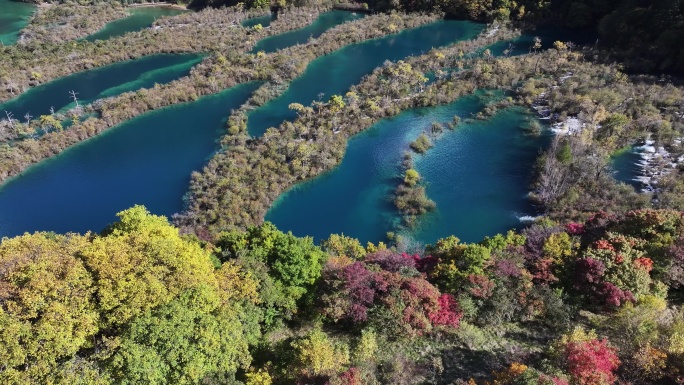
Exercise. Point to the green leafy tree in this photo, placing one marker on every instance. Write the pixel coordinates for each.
(287, 266)
(189, 340)
(411, 177)
(456, 261)
(341, 245)
(48, 122)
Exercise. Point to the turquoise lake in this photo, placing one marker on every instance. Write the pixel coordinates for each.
(14, 16)
(323, 23)
(147, 160)
(337, 72)
(102, 82)
(106, 174)
(478, 175)
(139, 19)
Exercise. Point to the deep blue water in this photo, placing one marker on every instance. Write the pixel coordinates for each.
(479, 177)
(147, 160)
(323, 23)
(337, 72)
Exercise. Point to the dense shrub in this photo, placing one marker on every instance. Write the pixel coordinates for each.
(591, 362)
(385, 290)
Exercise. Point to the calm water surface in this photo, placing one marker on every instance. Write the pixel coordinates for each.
(478, 175)
(337, 72)
(147, 160)
(139, 19)
(323, 23)
(14, 16)
(101, 82)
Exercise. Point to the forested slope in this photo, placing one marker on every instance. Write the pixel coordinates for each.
(589, 294)
(577, 303)
(644, 34)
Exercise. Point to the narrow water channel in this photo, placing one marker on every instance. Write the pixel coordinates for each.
(14, 16)
(147, 160)
(107, 81)
(337, 72)
(478, 175)
(139, 19)
(323, 23)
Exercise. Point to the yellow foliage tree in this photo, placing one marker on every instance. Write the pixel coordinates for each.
(317, 355)
(558, 247)
(259, 377)
(508, 375)
(47, 311)
(236, 284)
(341, 245)
(141, 263)
(367, 347)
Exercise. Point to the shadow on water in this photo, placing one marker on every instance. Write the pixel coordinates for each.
(335, 73)
(548, 35)
(323, 23)
(265, 21)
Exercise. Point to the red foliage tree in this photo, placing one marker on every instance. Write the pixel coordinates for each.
(449, 312)
(644, 263)
(542, 271)
(588, 271)
(390, 284)
(591, 362)
(612, 296)
(361, 286)
(575, 228)
(480, 286)
(351, 376)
